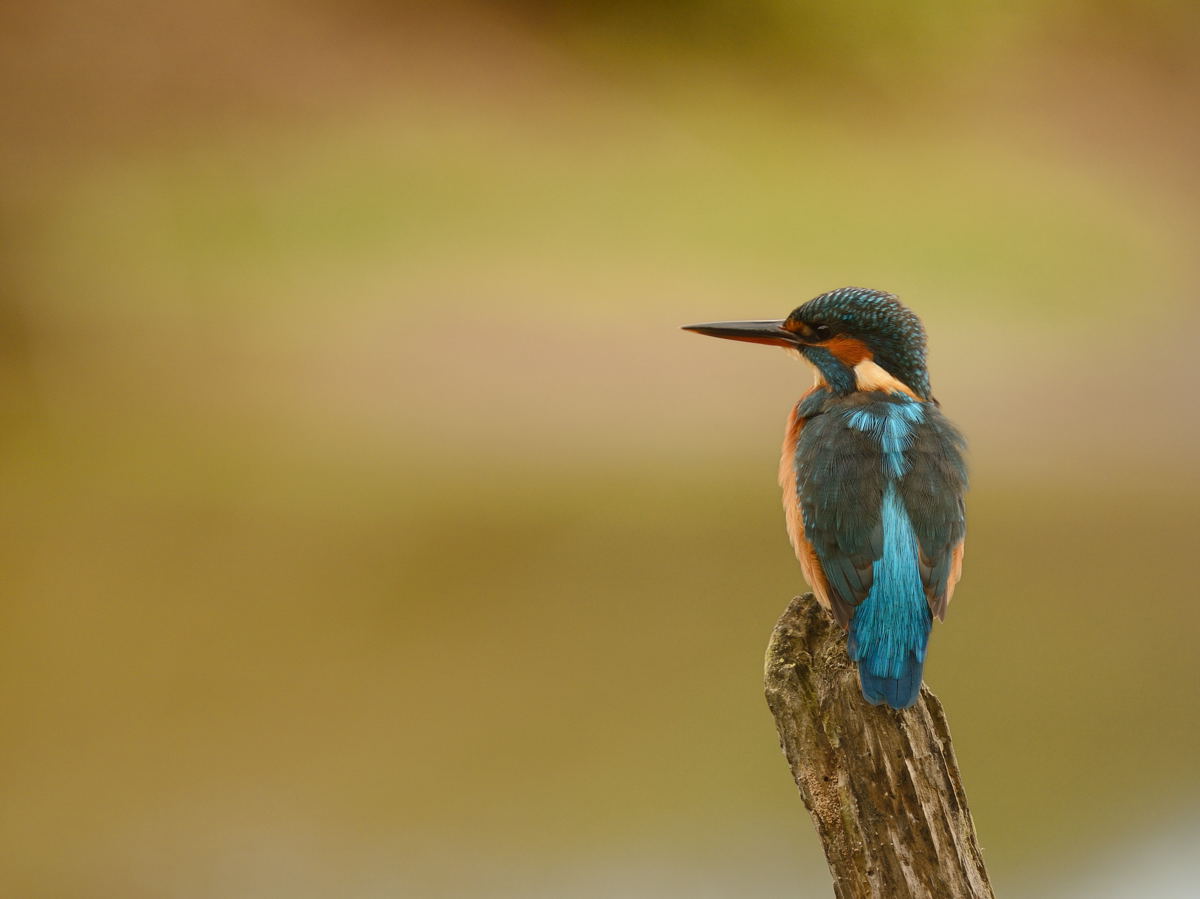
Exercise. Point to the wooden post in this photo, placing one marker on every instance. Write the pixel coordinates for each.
(882, 786)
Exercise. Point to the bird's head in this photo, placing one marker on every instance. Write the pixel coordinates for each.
(858, 339)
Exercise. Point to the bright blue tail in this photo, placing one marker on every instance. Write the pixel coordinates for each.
(890, 628)
(898, 692)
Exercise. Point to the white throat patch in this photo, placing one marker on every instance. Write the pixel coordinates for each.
(869, 376)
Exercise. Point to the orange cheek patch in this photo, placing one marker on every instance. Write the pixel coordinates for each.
(848, 350)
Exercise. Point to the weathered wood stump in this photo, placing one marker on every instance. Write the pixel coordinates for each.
(882, 786)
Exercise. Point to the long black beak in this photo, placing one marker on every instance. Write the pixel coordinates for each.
(771, 333)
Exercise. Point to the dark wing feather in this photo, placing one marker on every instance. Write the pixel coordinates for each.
(840, 484)
(932, 491)
(840, 489)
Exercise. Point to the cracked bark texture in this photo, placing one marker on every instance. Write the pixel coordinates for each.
(882, 786)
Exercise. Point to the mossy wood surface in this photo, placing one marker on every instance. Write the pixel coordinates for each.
(882, 786)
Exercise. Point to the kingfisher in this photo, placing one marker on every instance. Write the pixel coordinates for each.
(873, 479)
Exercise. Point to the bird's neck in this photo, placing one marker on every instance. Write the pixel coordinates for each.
(848, 375)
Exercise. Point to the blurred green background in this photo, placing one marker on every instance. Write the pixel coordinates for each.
(371, 530)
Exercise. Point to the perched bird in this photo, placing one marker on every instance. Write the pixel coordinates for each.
(873, 479)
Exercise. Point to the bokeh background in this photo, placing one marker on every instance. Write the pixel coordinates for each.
(371, 530)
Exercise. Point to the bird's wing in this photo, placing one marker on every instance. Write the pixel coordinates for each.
(840, 478)
(809, 406)
(839, 483)
(932, 491)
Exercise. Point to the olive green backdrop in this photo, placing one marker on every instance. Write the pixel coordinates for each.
(370, 528)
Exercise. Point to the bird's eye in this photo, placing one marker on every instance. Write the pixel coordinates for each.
(822, 332)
